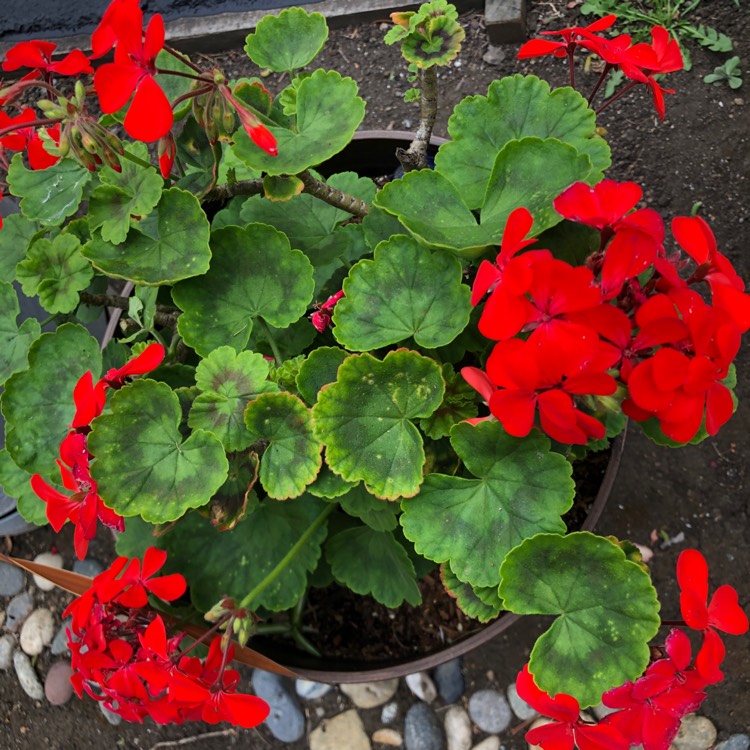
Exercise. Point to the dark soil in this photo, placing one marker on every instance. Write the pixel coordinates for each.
(700, 152)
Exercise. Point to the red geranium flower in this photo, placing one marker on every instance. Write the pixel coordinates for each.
(570, 37)
(140, 580)
(38, 56)
(28, 138)
(149, 359)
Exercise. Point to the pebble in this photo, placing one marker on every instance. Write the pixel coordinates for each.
(457, 729)
(27, 676)
(735, 742)
(696, 733)
(422, 730)
(449, 678)
(2, 617)
(342, 731)
(422, 686)
(54, 561)
(388, 737)
(18, 609)
(37, 632)
(494, 55)
(520, 708)
(7, 644)
(286, 722)
(57, 685)
(11, 579)
(60, 641)
(370, 694)
(389, 713)
(490, 711)
(489, 743)
(88, 567)
(113, 718)
(310, 690)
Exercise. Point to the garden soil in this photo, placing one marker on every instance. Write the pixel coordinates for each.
(664, 499)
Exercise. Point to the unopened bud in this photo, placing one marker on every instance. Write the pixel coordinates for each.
(109, 139)
(80, 91)
(63, 148)
(111, 159)
(89, 142)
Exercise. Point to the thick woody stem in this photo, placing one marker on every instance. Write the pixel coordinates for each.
(332, 196)
(222, 193)
(164, 316)
(415, 157)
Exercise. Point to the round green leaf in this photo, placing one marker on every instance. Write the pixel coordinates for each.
(288, 41)
(143, 466)
(232, 563)
(15, 482)
(38, 402)
(376, 513)
(328, 113)
(293, 457)
(15, 238)
(319, 369)
(406, 290)
(329, 485)
(254, 273)
(373, 562)
(482, 604)
(515, 107)
(168, 245)
(521, 489)
(56, 271)
(14, 340)
(48, 195)
(459, 403)
(228, 383)
(364, 420)
(607, 607)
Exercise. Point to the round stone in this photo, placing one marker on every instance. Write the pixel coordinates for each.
(342, 731)
(449, 678)
(309, 690)
(59, 644)
(286, 722)
(18, 609)
(457, 729)
(57, 685)
(388, 737)
(88, 567)
(488, 743)
(54, 561)
(389, 713)
(37, 631)
(27, 676)
(735, 742)
(422, 730)
(696, 733)
(7, 645)
(422, 686)
(520, 708)
(11, 579)
(370, 694)
(490, 711)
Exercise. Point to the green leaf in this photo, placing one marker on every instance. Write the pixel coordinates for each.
(328, 113)
(15, 482)
(515, 107)
(174, 86)
(228, 383)
(169, 245)
(38, 402)
(607, 607)
(569, 241)
(143, 466)
(200, 157)
(482, 604)
(283, 188)
(235, 497)
(364, 420)
(379, 225)
(292, 459)
(15, 340)
(373, 562)
(405, 291)
(232, 563)
(15, 238)
(379, 515)
(288, 41)
(254, 273)
(521, 489)
(317, 370)
(56, 271)
(459, 403)
(329, 485)
(48, 195)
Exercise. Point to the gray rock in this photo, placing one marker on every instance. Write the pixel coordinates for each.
(37, 631)
(422, 730)
(11, 579)
(113, 718)
(7, 644)
(422, 686)
(18, 609)
(494, 55)
(88, 567)
(27, 676)
(309, 690)
(342, 731)
(488, 743)
(389, 713)
(60, 641)
(520, 708)
(696, 733)
(490, 711)
(54, 561)
(57, 685)
(370, 694)
(449, 678)
(286, 722)
(735, 742)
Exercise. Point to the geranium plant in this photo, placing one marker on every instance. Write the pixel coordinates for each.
(322, 378)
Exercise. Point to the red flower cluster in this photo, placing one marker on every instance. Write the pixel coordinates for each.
(84, 507)
(565, 332)
(22, 135)
(37, 55)
(321, 318)
(123, 657)
(639, 62)
(649, 710)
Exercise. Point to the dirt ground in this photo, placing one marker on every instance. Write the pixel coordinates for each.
(700, 152)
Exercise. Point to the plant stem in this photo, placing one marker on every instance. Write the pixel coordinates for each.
(223, 193)
(332, 196)
(271, 342)
(182, 74)
(182, 58)
(415, 157)
(191, 94)
(288, 557)
(616, 96)
(24, 125)
(135, 159)
(164, 316)
(601, 80)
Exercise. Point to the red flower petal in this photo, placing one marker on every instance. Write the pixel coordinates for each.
(725, 613)
(150, 114)
(562, 707)
(115, 83)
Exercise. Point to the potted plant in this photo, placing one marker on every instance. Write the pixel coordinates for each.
(323, 377)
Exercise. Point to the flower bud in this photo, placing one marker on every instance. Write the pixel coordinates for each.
(111, 159)
(166, 150)
(80, 91)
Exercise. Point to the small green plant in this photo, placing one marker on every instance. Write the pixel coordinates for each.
(729, 72)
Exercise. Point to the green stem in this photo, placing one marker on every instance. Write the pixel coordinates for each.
(271, 341)
(135, 159)
(288, 557)
(332, 196)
